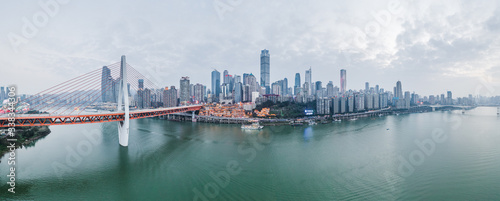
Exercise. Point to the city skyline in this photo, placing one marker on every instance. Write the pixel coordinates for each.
(230, 80)
(420, 46)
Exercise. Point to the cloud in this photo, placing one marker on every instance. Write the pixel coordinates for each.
(426, 45)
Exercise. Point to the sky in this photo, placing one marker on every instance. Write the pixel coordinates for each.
(430, 46)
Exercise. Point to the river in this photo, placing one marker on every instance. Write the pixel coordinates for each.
(443, 155)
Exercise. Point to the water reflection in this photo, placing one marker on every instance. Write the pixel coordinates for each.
(123, 169)
(308, 134)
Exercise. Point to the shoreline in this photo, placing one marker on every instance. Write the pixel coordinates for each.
(324, 119)
(41, 132)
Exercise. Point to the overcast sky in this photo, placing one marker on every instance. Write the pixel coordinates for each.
(430, 46)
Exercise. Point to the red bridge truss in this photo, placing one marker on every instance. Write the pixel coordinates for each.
(92, 118)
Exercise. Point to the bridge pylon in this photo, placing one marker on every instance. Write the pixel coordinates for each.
(123, 126)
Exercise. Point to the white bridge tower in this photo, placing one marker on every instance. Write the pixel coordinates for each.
(123, 126)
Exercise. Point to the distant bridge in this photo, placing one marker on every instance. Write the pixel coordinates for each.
(464, 107)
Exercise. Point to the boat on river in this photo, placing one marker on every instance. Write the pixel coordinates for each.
(253, 126)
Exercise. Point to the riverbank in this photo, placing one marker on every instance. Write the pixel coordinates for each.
(26, 137)
(305, 119)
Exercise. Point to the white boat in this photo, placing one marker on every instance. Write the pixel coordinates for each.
(253, 126)
(353, 119)
(337, 120)
(312, 123)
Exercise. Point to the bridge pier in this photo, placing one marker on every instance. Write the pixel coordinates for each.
(123, 126)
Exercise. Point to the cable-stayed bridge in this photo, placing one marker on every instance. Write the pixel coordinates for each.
(102, 95)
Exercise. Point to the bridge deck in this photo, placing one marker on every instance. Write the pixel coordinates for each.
(48, 120)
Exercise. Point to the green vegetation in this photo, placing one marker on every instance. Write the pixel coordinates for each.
(26, 136)
(35, 112)
(287, 109)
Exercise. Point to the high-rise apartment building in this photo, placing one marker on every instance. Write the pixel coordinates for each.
(184, 90)
(170, 97)
(199, 94)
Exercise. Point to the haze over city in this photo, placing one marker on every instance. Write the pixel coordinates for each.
(432, 47)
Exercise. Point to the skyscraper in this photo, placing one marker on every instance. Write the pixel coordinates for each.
(318, 87)
(276, 87)
(237, 79)
(399, 90)
(143, 98)
(184, 83)
(238, 92)
(115, 90)
(128, 89)
(343, 81)
(191, 91)
(225, 77)
(252, 81)
(329, 89)
(407, 99)
(173, 96)
(231, 83)
(105, 83)
(141, 94)
(367, 87)
(2, 94)
(306, 88)
(449, 98)
(285, 87)
(215, 83)
(141, 83)
(146, 98)
(265, 59)
(225, 91)
(247, 94)
(245, 79)
(309, 81)
(170, 97)
(297, 83)
(199, 94)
